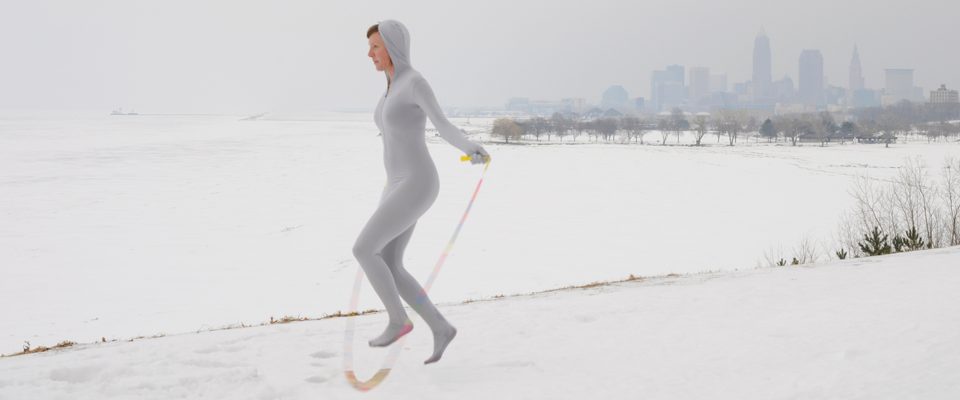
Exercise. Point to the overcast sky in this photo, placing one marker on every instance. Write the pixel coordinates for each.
(241, 56)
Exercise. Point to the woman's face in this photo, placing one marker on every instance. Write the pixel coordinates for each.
(378, 52)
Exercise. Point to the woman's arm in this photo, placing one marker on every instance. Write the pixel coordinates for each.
(424, 97)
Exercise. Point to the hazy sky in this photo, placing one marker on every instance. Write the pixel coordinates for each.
(291, 55)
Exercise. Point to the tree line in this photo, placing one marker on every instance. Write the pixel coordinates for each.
(873, 125)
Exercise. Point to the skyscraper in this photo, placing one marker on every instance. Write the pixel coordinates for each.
(676, 73)
(667, 88)
(856, 72)
(762, 74)
(811, 77)
(899, 86)
(699, 83)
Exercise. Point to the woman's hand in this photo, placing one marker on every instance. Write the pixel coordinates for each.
(478, 155)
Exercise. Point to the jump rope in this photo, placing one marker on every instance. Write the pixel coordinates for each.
(394, 354)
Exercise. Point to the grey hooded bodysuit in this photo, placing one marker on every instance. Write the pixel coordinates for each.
(411, 188)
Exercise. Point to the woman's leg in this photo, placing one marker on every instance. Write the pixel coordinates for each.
(410, 290)
(397, 211)
(414, 295)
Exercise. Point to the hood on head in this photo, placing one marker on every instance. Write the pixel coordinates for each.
(397, 39)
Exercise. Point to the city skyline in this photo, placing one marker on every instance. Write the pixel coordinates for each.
(255, 56)
(812, 83)
(669, 88)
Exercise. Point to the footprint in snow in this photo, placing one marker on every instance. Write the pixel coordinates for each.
(342, 264)
(585, 318)
(317, 379)
(74, 374)
(322, 354)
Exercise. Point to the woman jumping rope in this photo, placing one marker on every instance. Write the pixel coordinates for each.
(412, 185)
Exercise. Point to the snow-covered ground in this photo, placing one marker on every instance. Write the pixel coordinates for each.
(870, 328)
(117, 227)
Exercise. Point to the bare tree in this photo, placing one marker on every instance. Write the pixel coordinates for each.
(848, 233)
(872, 206)
(826, 127)
(560, 125)
(539, 126)
(663, 125)
(591, 128)
(506, 128)
(774, 257)
(578, 128)
(633, 126)
(890, 125)
(718, 127)
(645, 125)
(911, 209)
(641, 129)
(951, 199)
(607, 127)
(805, 251)
(732, 122)
(678, 122)
(701, 126)
(915, 196)
(792, 128)
(811, 125)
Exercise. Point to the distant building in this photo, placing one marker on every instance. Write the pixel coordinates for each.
(762, 72)
(667, 88)
(742, 93)
(944, 96)
(857, 95)
(574, 104)
(518, 104)
(615, 97)
(699, 83)
(611, 113)
(537, 107)
(917, 95)
(718, 83)
(864, 98)
(544, 107)
(639, 104)
(719, 100)
(811, 78)
(899, 82)
(741, 88)
(856, 72)
(783, 90)
(899, 87)
(592, 113)
(781, 109)
(834, 95)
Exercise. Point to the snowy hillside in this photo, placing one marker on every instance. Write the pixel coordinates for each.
(870, 328)
(125, 227)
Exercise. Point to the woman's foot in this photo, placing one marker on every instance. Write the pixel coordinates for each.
(391, 334)
(441, 338)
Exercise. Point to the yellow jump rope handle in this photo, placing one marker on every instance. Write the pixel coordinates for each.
(467, 158)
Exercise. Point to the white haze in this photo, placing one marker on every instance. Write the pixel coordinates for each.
(252, 56)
